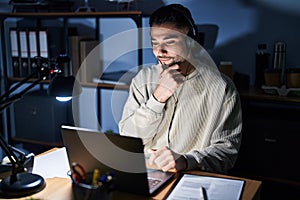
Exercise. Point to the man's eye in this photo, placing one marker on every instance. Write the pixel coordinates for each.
(170, 42)
(154, 44)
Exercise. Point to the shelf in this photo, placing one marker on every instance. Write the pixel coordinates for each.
(36, 147)
(51, 144)
(112, 14)
(38, 17)
(16, 79)
(94, 85)
(258, 94)
(106, 86)
(136, 16)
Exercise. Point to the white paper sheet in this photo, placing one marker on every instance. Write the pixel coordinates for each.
(197, 187)
(52, 164)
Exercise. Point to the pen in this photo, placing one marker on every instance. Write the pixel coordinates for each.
(202, 193)
(96, 175)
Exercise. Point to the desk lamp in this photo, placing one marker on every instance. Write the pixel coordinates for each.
(21, 182)
(63, 88)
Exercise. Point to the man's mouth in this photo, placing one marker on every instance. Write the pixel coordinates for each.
(164, 60)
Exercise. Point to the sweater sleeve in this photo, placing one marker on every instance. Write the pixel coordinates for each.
(222, 151)
(142, 114)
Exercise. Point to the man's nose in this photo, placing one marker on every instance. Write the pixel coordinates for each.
(161, 49)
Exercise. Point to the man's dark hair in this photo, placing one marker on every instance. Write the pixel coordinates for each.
(175, 14)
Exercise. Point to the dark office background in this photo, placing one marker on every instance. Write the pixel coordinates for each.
(243, 24)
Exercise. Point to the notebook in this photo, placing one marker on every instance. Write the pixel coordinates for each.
(112, 152)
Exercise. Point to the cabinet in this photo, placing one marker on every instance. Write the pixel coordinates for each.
(271, 140)
(65, 18)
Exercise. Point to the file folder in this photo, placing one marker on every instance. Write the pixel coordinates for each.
(43, 44)
(56, 42)
(24, 53)
(15, 64)
(33, 50)
(43, 47)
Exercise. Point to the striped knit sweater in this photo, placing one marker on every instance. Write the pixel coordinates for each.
(202, 120)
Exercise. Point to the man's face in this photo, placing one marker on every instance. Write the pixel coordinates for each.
(169, 43)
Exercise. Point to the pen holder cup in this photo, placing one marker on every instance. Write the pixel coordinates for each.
(89, 191)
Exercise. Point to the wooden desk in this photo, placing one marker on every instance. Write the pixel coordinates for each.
(60, 188)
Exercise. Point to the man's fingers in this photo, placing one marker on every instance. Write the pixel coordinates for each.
(170, 165)
(152, 155)
(164, 159)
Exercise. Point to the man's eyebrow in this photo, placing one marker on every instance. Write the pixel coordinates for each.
(172, 36)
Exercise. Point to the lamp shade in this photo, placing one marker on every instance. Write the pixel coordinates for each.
(64, 86)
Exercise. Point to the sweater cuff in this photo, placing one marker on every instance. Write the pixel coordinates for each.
(192, 163)
(155, 105)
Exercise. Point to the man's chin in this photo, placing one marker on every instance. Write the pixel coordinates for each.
(168, 62)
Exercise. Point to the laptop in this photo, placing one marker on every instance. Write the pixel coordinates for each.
(122, 155)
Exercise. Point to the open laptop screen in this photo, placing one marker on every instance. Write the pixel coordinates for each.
(110, 152)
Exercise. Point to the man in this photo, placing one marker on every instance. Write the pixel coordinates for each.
(186, 112)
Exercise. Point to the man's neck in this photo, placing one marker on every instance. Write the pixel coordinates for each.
(186, 68)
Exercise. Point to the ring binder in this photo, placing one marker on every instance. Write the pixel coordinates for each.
(14, 52)
(33, 51)
(43, 44)
(24, 65)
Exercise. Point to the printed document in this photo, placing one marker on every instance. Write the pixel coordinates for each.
(198, 187)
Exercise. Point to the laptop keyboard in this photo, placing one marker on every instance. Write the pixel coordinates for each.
(153, 182)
